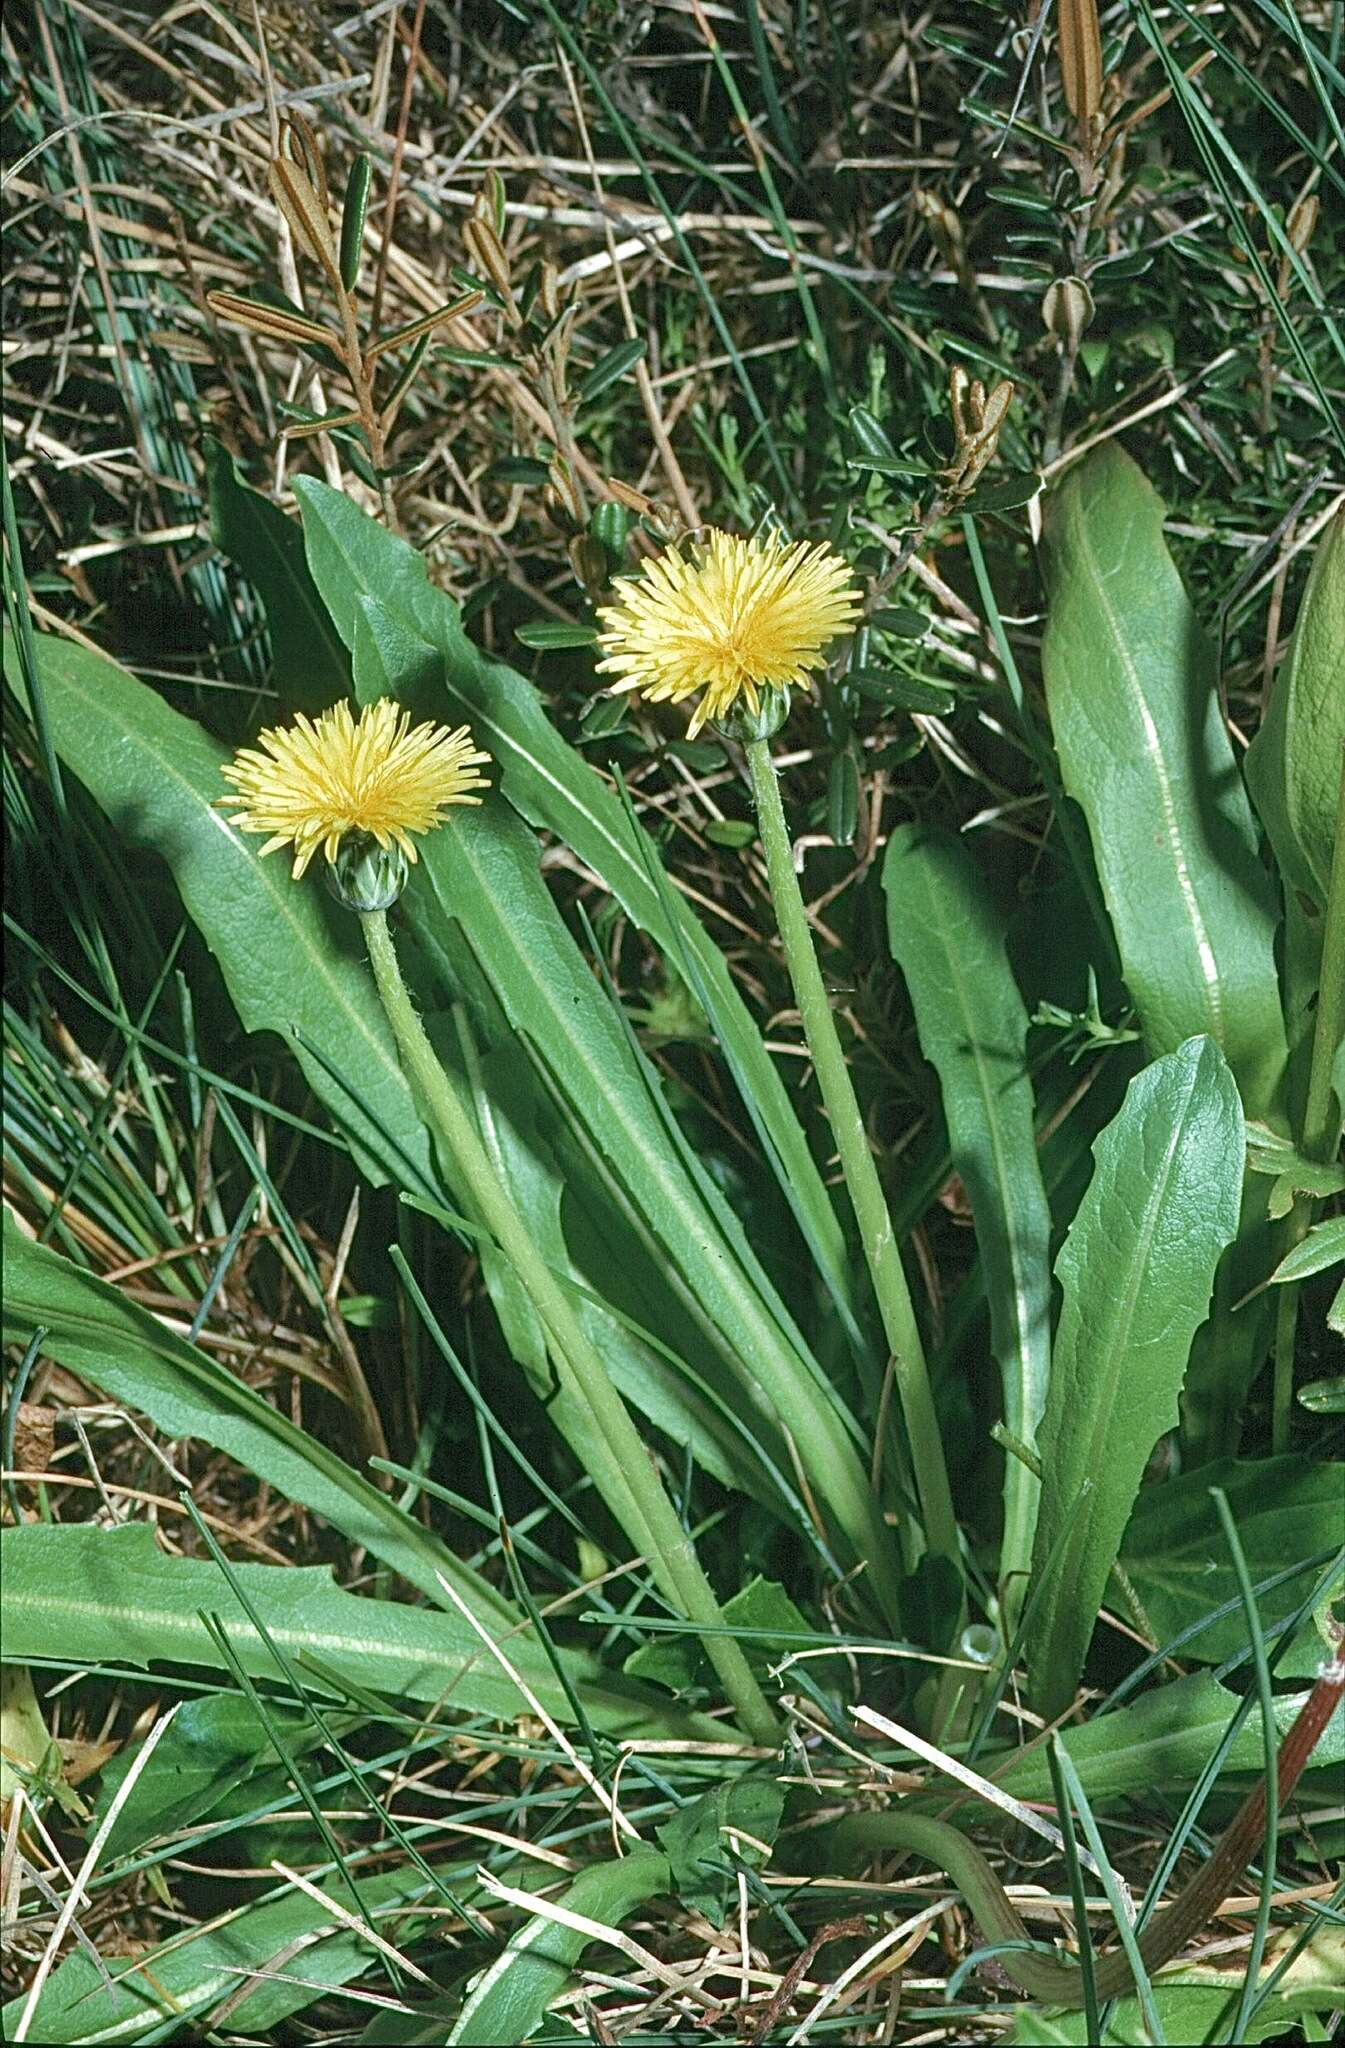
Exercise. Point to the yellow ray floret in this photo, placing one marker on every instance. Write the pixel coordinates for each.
(311, 783)
(726, 618)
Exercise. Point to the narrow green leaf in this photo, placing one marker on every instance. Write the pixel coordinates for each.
(165, 1993)
(870, 436)
(1167, 1738)
(902, 692)
(353, 211)
(1130, 685)
(549, 634)
(518, 469)
(1136, 1273)
(1321, 1249)
(1175, 1557)
(610, 368)
(1186, 2012)
(950, 946)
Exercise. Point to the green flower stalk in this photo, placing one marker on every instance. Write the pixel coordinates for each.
(359, 790)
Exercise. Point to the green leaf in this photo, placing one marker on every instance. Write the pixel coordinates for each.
(1187, 2012)
(1326, 1397)
(1005, 494)
(293, 961)
(215, 1743)
(1293, 764)
(902, 620)
(1130, 684)
(703, 1842)
(1177, 1559)
(128, 1354)
(518, 469)
(870, 436)
(353, 211)
(902, 692)
(1269, 1153)
(309, 666)
(1321, 1249)
(763, 1610)
(731, 832)
(82, 1595)
(950, 945)
(550, 634)
(1136, 1273)
(510, 2000)
(609, 368)
(552, 785)
(158, 1993)
(1167, 1738)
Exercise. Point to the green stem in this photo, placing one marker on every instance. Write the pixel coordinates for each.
(671, 1550)
(1320, 1134)
(861, 1175)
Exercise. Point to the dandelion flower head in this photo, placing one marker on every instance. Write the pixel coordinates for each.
(727, 618)
(310, 784)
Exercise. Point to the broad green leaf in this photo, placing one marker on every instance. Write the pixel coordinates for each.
(1167, 1738)
(509, 2001)
(83, 1595)
(552, 785)
(1293, 764)
(950, 946)
(293, 961)
(167, 1993)
(129, 1355)
(1177, 1559)
(1130, 685)
(309, 666)
(1136, 1273)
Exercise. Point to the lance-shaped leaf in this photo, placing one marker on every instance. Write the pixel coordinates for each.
(1294, 763)
(1136, 1273)
(82, 1595)
(949, 943)
(1130, 684)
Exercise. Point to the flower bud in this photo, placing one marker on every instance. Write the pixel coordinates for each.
(740, 722)
(366, 876)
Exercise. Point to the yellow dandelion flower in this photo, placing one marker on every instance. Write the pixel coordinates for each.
(310, 784)
(729, 619)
